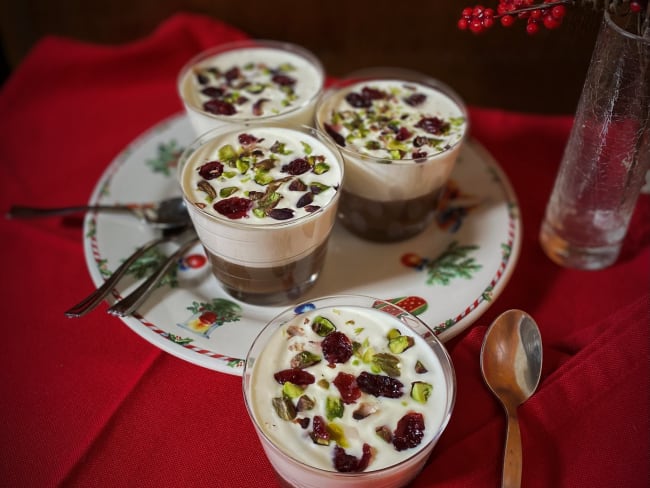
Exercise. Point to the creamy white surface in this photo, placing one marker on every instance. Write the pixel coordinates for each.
(374, 173)
(291, 438)
(309, 83)
(262, 241)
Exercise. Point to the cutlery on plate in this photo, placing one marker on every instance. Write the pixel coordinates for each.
(511, 364)
(95, 298)
(164, 214)
(131, 302)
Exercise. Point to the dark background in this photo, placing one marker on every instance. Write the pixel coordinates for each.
(503, 68)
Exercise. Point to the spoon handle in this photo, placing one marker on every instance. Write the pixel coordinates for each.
(21, 212)
(512, 453)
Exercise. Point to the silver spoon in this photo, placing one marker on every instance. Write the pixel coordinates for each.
(511, 363)
(164, 214)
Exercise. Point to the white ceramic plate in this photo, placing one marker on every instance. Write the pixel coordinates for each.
(449, 275)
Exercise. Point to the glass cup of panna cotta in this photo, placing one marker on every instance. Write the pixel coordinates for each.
(263, 202)
(348, 391)
(400, 133)
(260, 81)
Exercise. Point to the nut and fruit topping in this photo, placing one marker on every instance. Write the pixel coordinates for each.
(340, 384)
(269, 180)
(245, 88)
(394, 120)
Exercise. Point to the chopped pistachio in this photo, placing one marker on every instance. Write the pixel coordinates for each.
(333, 408)
(284, 408)
(263, 178)
(388, 363)
(337, 434)
(321, 168)
(306, 147)
(305, 403)
(420, 368)
(400, 344)
(227, 153)
(292, 391)
(304, 359)
(421, 391)
(206, 187)
(322, 326)
(227, 191)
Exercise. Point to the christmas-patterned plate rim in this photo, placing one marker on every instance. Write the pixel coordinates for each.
(448, 276)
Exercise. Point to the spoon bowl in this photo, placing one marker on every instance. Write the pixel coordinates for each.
(511, 364)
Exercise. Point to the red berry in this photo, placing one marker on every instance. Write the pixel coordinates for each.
(467, 12)
(635, 7)
(476, 26)
(560, 10)
(532, 28)
(219, 107)
(488, 22)
(380, 385)
(208, 317)
(551, 22)
(283, 80)
(409, 431)
(195, 260)
(411, 260)
(347, 463)
(211, 170)
(337, 347)
(462, 24)
(507, 20)
(296, 167)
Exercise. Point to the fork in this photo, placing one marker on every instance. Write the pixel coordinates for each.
(130, 303)
(95, 298)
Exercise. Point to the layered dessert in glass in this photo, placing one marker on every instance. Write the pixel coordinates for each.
(251, 81)
(400, 134)
(348, 391)
(263, 201)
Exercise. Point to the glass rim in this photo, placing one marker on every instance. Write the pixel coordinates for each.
(280, 46)
(441, 353)
(228, 129)
(608, 19)
(386, 73)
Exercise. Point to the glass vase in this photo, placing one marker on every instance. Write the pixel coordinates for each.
(607, 154)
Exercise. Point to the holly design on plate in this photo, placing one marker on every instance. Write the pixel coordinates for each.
(153, 258)
(207, 316)
(166, 158)
(455, 262)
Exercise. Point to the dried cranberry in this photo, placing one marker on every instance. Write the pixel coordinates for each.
(297, 185)
(346, 463)
(234, 207)
(303, 422)
(420, 141)
(380, 385)
(320, 434)
(347, 386)
(337, 347)
(211, 170)
(257, 106)
(409, 431)
(403, 134)
(219, 107)
(212, 92)
(296, 376)
(372, 93)
(312, 208)
(357, 100)
(304, 200)
(232, 74)
(338, 138)
(419, 154)
(281, 213)
(246, 139)
(241, 100)
(202, 79)
(297, 167)
(433, 125)
(415, 99)
(283, 80)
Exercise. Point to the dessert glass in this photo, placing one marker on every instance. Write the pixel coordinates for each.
(259, 81)
(400, 133)
(262, 208)
(297, 458)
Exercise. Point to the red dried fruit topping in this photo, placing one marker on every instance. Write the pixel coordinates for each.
(433, 125)
(380, 385)
(208, 317)
(211, 170)
(202, 79)
(296, 167)
(338, 138)
(415, 99)
(403, 134)
(409, 431)
(212, 92)
(247, 139)
(311, 208)
(296, 376)
(320, 434)
(420, 141)
(234, 207)
(219, 107)
(304, 200)
(419, 155)
(346, 463)
(257, 106)
(337, 347)
(280, 213)
(357, 100)
(347, 386)
(232, 74)
(373, 93)
(283, 80)
(303, 422)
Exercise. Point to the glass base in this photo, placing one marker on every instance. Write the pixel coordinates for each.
(570, 255)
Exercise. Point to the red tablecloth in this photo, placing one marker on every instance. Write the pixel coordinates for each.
(89, 403)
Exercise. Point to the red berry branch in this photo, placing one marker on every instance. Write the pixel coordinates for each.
(548, 13)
